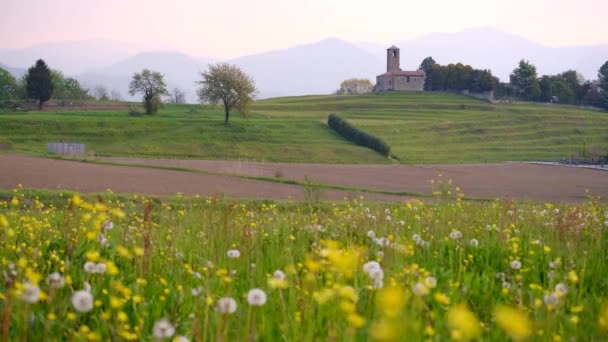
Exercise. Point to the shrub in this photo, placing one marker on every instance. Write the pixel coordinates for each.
(359, 137)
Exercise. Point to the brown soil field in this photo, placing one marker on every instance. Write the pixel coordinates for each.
(50, 174)
(522, 181)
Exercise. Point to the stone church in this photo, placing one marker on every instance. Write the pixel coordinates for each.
(396, 79)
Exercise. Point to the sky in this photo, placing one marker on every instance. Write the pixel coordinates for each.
(231, 28)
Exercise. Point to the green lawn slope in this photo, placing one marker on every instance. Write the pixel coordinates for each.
(420, 127)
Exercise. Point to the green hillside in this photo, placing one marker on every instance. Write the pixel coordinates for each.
(421, 128)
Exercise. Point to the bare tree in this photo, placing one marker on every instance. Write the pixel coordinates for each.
(115, 95)
(101, 93)
(152, 85)
(177, 96)
(228, 84)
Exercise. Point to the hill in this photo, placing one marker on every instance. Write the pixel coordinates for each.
(421, 128)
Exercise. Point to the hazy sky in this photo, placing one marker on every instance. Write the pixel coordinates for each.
(229, 28)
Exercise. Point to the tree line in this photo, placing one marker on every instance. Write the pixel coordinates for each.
(568, 87)
(221, 83)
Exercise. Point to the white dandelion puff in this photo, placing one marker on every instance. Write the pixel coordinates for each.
(256, 297)
(82, 301)
(163, 329)
(226, 305)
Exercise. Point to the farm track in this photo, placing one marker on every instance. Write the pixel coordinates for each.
(520, 181)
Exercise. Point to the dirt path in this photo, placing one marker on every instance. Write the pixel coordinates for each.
(41, 173)
(499, 180)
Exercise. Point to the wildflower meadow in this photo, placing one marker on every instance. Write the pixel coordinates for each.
(109, 267)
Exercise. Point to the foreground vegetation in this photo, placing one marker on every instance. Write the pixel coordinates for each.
(131, 268)
(419, 127)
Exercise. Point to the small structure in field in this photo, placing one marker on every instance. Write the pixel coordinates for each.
(396, 79)
(66, 148)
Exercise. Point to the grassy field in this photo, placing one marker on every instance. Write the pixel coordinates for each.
(421, 128)
(130, 268)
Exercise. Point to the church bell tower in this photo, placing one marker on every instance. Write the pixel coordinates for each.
(392, 59)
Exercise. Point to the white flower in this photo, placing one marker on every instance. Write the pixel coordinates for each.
(55, 280)
(278, 274)
(420, 289)
(389, 219)
(163, 329)
(89, 267)
(552, 264)
(256, 297)
(430, 282)
(82, 301)
(197, 291)
(371, 234)
(378, 283)
(455, 235)
(561, 289)
(197, 275)
(102, 240)
(416, 238)
(226, 305)
(382, 241)
(380, 254)
(233, 253)
(100, 268)
(474, 242)
(506, 285)
(551, 299)
(31, 293)
(371, 266)
(107, 225)
(387, 211)
(515, 264)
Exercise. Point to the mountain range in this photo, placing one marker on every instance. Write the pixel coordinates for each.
(316, 68)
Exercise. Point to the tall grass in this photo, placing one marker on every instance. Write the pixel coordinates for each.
(454, 270)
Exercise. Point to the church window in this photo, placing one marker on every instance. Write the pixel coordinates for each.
(408, 79)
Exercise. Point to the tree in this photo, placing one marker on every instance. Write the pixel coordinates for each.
(38, 83)
(355, 86)
(427, 67)
(115, 95)
(8, 86)
(525, 81)
(67, 88)
(177, 96)
(603, 83)
(152, 86)
(101, 93)
(228, 84)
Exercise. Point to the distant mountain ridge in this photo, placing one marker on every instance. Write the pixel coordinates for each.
(316, 68)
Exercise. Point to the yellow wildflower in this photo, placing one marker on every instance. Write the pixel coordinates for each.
(462, 319)
(513, 321)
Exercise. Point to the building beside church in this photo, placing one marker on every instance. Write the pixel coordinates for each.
(396, 79)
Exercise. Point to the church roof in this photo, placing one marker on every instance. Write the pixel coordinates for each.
(418, 73)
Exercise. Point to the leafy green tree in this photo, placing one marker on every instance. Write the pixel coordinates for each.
(524, 81)
(228, 84)
(67, 88)
(152, 85)
(8, 86)
(603, 83)
(38, 83)
(427, 67)
(435, 79)
(355, 86)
